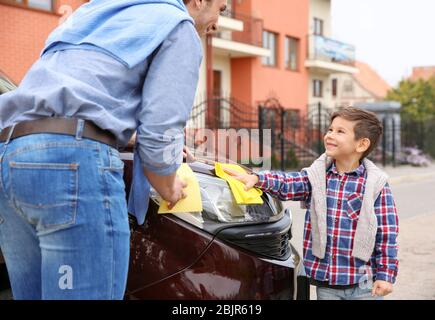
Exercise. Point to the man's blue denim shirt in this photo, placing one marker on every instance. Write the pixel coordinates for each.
(154, 98)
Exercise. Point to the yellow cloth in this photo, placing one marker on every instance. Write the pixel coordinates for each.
(242, 196)
(193, 202)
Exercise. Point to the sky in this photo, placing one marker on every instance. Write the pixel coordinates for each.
(392, 36)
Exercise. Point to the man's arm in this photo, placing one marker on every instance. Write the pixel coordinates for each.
(169, 187)
(168, 95)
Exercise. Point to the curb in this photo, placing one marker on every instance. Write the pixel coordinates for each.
(411, 178)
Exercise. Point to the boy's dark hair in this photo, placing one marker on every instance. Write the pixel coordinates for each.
(367, 125)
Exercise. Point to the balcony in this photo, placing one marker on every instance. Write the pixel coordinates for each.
(330, 56)
(239, 36)
(227, 23)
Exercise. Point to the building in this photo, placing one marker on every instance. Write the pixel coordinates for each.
(257, 56)
(326, 57)
(24, 27)
(259, 53)
(424, 73)
(366, 86)
(391, 143)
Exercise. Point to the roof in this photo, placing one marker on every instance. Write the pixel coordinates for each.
(371, 81)
(380, 106)
(422, 73)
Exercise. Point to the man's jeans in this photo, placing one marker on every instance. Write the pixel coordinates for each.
(64, 228)
(347, 294)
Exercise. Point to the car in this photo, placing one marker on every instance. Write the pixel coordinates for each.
(225, 252)
(415, 157)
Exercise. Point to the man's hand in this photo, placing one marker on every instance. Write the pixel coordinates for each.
(249, 180)
(170, 188)
(132, 141)
(177, 193)
(382, 288)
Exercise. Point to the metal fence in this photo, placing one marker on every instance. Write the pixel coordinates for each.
(296, 135)
(419, 134)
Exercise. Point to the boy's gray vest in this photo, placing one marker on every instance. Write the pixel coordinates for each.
(365, 237)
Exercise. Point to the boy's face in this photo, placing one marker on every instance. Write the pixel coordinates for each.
(340, 140)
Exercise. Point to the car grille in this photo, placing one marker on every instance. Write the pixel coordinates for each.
(270, 240)
(276, 246)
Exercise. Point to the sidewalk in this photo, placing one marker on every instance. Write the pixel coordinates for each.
(408, 173)
(416, 279)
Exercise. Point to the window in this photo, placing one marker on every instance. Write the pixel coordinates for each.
(334, 88)
(270, 42)
(318, 27)
(291, 53)
(348, 86)
(317, 88)
(35, 4)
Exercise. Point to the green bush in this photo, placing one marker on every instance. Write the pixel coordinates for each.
(291, 160)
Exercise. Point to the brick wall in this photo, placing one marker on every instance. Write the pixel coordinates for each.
(23, 33)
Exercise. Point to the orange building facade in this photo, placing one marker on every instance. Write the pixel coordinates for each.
(424, 73)
(24, 27)
(253, 80)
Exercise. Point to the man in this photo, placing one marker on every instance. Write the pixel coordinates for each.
(115, 67)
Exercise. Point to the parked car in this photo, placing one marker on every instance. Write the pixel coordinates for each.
(226, 252)
(415, 157)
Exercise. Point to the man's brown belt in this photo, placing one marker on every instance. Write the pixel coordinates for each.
(66, 126)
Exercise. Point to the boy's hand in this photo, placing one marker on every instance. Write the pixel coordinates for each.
(382, 288)
(249, 180)
(188, 157)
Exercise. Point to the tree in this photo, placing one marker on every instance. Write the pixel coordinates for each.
(417, 113)
(417, 98)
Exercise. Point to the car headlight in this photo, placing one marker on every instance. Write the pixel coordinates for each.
(219, 205)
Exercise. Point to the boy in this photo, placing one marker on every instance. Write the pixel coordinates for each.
(351, 225)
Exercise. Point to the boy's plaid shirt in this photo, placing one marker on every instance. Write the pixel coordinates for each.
(344, 199)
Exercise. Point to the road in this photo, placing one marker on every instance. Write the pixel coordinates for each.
(415, 197)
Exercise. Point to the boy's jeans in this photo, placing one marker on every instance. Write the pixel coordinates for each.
(347, 294)
(64, 228)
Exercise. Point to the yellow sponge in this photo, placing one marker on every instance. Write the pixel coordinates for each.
(242, 196)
